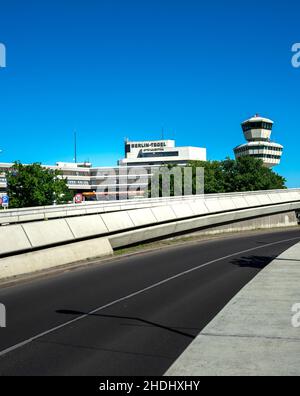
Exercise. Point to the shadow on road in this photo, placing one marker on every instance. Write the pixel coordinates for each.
(170, 329)
(258, 262)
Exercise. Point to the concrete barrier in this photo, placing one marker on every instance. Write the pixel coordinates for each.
(145, 234)
(132, 226)
(86, 226)
(45, 233)
(266, 222)
(264, 199)
(239, 202)
(199, 208)
(123, 239)
(63, 211)
(253, 200)
(164, 213)
(182, 210)
(13, 239)
(185, 216)
(117, 221)
(142, 217)
(53, 257)
(215, 205)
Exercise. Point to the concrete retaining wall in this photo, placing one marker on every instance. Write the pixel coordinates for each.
(215, 202)
(267, 222)
(23, 215)
(148, 223)
(178, 226)
(53, 257)
(13, 239)
(127, 227)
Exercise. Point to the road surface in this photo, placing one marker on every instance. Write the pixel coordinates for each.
(133, 315)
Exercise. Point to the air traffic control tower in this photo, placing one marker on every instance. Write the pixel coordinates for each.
(257, 131)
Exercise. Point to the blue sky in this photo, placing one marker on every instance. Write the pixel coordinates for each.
(113, 69)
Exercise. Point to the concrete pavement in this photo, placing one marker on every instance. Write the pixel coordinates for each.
(253, 335)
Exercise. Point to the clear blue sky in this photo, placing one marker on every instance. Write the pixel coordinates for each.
(113, 69)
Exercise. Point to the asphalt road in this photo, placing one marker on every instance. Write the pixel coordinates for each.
(131, 316)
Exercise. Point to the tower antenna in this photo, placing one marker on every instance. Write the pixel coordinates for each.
(75, 147)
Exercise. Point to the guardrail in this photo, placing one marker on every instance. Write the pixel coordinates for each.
(14, 216)
(39, 245)
(139, 224)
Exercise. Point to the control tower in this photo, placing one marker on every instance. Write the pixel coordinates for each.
(257, 131)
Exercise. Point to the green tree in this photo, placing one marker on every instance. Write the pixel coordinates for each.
(33, 185)
(158, 178)
(249, 174)
(214, 181)
(243, 174)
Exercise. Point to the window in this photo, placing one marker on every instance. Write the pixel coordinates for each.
(246, 148)
(257, 125)
(78, 182)
(161, 154)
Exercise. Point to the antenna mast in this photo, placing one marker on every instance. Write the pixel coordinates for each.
(75, 147)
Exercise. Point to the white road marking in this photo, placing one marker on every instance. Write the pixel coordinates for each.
(52, 330)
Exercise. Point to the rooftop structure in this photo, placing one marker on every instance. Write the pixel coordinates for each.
(129, 179)
(160, 152)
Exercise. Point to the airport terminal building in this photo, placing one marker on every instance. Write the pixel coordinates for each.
(163, 152)
(128, 180)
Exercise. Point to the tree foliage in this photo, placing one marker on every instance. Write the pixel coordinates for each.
(240, 175)
(34, 185)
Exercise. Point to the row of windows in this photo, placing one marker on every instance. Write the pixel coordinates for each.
(121, 190)
(79, 182)
(247, 148)
(259, 139)
(278, 157)
(161, 163)
(75, 173)
(160, 154)
(135, 175)
(264, 156)
(119, 185)
(115, 181)
(257, 125)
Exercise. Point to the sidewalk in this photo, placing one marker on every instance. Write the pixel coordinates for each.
(253, 335)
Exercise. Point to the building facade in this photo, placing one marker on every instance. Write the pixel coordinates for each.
(257, 131)
(159, 152)
(128, 180)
